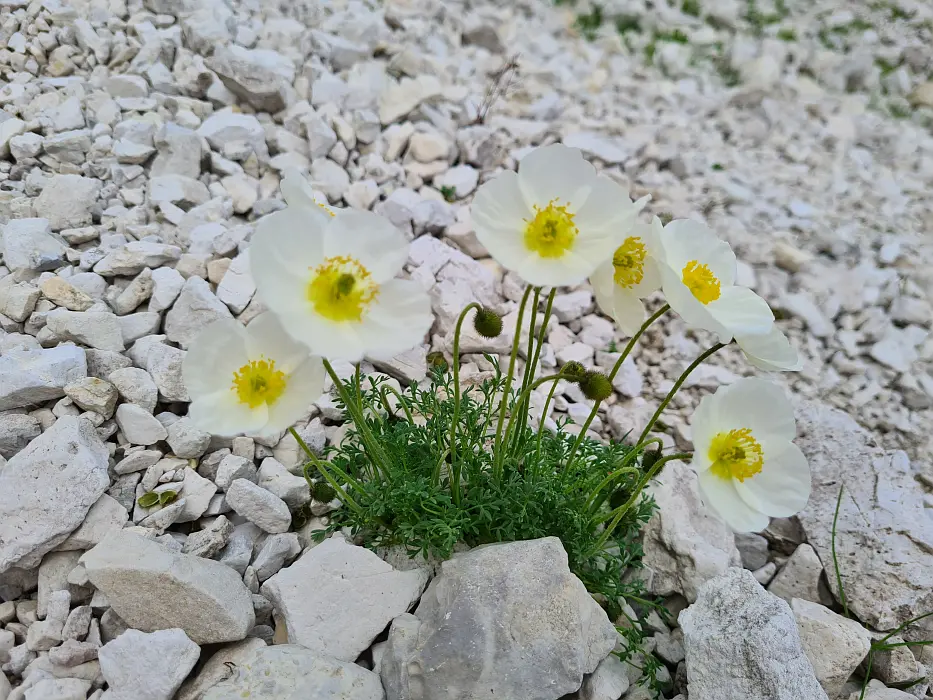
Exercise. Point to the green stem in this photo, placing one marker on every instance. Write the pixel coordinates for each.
(832, 541)
(605, 482)
(319, 465)
(401, 401)
(374, 450)
(523, 422)
(680, 380)
(517, 409)
(615, 370)
(454, 462)
(498, 457)
(547, 403)
(619, 512)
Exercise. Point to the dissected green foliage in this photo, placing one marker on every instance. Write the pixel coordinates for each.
(414, 505)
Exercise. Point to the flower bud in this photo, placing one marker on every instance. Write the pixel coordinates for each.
(323, 492)
(437, 359)
(596, 386)
(487, 323)
(573, 371)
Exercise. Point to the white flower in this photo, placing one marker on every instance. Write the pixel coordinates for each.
(699, 282)
(631, 275)
(555, 220)
(771, 351)
(329, 277)
(255, 380)
(747, 466)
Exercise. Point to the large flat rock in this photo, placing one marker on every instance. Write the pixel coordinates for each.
(47, 489)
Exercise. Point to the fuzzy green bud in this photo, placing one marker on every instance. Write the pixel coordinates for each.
(487, 323)
(596, 386)
(437, 359)
(323, 492)
(573, 372)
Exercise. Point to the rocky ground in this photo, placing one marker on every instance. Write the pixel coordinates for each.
(139, 142)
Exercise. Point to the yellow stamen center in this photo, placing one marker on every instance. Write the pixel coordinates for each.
(259, 382)
(326, 208)
(551, 232)
(701, 281)
(340, 289)
(735, 455)
(629, 262)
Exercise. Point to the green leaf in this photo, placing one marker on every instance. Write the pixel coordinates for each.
(148, 500)
(167, 497)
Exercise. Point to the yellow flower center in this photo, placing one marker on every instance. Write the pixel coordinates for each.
(326, 208)
(340, 289)
(629, 262)
(735, 455)
(259, 382)
(551, 232)
(701, 281)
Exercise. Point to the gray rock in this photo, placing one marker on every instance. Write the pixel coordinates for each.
(877, 691)
(135, 257)
(16, 431)
(138, 426)
(233, 467)
(141, 666)
(98, 329)
(802, 577)
(136, 386)
(292, 489)
(184, 192)
(202, 597)
(47, 490)
(259, 76)
(505, 620)
(884, 539)
(336, 598)
(218, 668)
(195, 309)
(59, 689)
(834, 644)
(261, 507)
(610, 151)
(179, 152)
(608, 682)
(105, 516)
(209, 541)
(275, 551)
(753, 549)
(741, 643)
(197, 492)
(67, 200)
(17, 301)
(167, 283)
(63, 293)
(163, 362)
(28, 244)
(186, 440)
(228, 127)
(291, 672)
(685, 544)
(29, 377)
(93, 394)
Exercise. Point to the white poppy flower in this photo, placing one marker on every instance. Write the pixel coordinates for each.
(329, 275)
(256, 380)
(620, 283)
(699, 283)
(771, 351)
(555, 220)
(747, 466)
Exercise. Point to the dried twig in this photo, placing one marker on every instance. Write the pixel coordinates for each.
(498, 87)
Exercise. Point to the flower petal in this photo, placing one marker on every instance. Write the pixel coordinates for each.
(782, 488)
(685, 240)
(213, 357)
(702, 429)
(606, 210)
(398, 320)
(555, 172)
(369, 238)
(722, 498)
(290, 239)
(627, 310)
(757, 404)
(693, 312)
(222, 414)
(603, 284)
(742, 312)
(771, 352)
(266, 337)
(297, 192)
(569, 270)
(305, 384)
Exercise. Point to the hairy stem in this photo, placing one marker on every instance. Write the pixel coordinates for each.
(680, 380)
(319, 465)
(455, 464)
(498, 457)
(615, 370)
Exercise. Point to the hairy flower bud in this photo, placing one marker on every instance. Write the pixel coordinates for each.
(596, 386)
(487, 323)
(323, 492)
(437, 359)
(573, 372)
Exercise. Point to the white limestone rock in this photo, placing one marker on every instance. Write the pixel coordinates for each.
(28, 244)
(47, 490)
(195, 309)
(29, 377)
(141, 666)
(336, 598)
(834, 644)
(97, 329)
(67, 201)
(139, 426)
(204, 598)
(261, 507)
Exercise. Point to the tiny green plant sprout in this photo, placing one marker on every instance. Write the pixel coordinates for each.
(463, 459)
